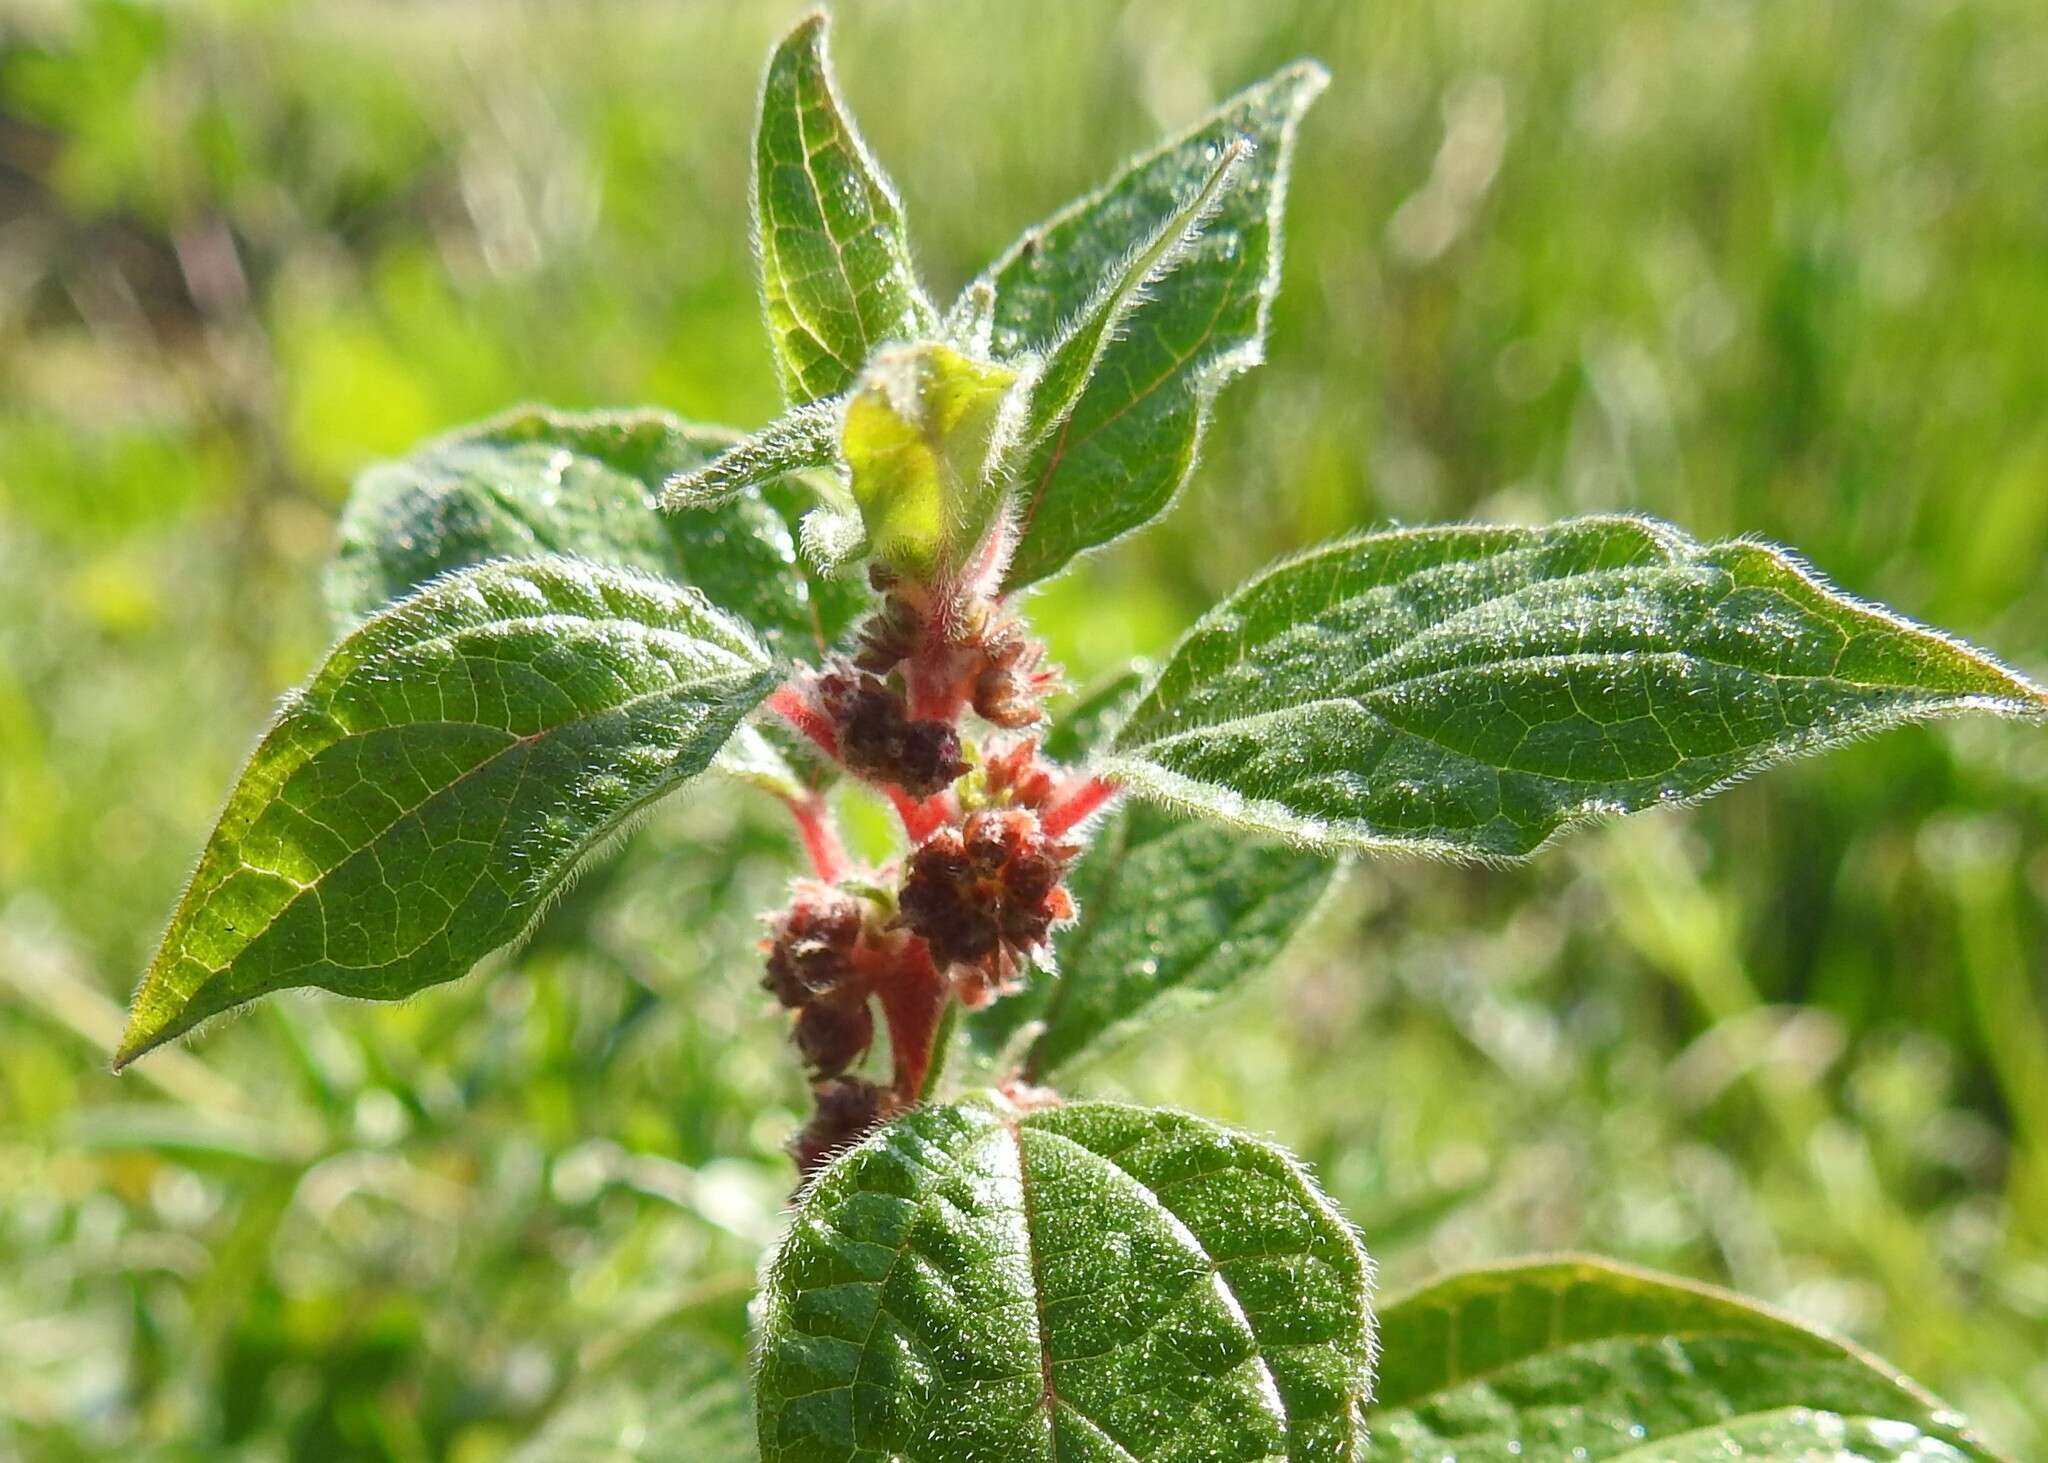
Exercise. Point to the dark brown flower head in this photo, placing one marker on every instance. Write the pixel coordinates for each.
(831, 1036)
(985, 896)
(878, 739)
(889, 637)
(811, 947)
(848, 1109)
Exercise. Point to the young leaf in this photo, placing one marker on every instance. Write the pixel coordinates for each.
(1071, 363)
(1580, 1358)
(918, 437)
(1130, 441)
(1469, 691)
(836, 273)
(804, 438)
(1090, 1281)
(581, 484)
(1173, 913)
(416, 805)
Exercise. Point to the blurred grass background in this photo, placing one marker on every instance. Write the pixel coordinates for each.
(1771, 268)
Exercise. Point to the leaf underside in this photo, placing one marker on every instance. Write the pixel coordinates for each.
(803, 439)
(536, 482)
(415, 806)
(1093, 1282)
(1469, 691)
(1174, 912)
(836, 273)
(1130, 441)
(1583, 1359)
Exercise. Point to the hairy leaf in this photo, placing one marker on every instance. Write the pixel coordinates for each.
(836, 274)
(1130, 441)
(415, 806)
(1071, 362)
(1468, 691)
(1084, 1282)
(1583, 1359)
(802, 439)
(1174, 912)
(581, 484)
(670, 1399)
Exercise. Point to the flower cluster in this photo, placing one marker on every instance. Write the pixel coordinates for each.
(981, 891)
(879, 740)
(985, 896)
(814, 970)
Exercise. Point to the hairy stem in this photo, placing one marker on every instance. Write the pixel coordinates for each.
(922, 819)
(820, 834)
(789, 703)
(1075, 803)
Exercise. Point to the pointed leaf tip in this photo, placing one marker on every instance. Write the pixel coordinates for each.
(419, 802)
(1135, 429)
(1473, 1365)
(837, 277)
(1471, 691)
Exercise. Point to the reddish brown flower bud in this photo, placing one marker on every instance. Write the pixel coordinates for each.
(1015, 774)
(831, 1037)
(810, 952)
(889, 637)
(930, 760)
(848, 1109)
(986, 895)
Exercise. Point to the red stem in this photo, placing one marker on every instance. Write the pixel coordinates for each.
(821, 837)
(912, 994)
(1074, 803)
(790, 704)
(922, 819)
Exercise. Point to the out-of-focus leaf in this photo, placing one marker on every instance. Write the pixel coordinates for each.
(1091, 1281)
(1131, 438)
(585, 485)
(415, 806)
(836, 273)
(1469, 691)
(1583, 1359)
(669, 1399)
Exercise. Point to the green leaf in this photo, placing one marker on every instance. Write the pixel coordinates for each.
(671, 1399)
(836, 274)
(1081, 728)
(1174, 912)
(418, 803)
(918, 438)
(803, 439)
(581, 484)
(1084, 1282)
(1131, 439)
(1583, 1359)
(1469, 691)
(1071, 363)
